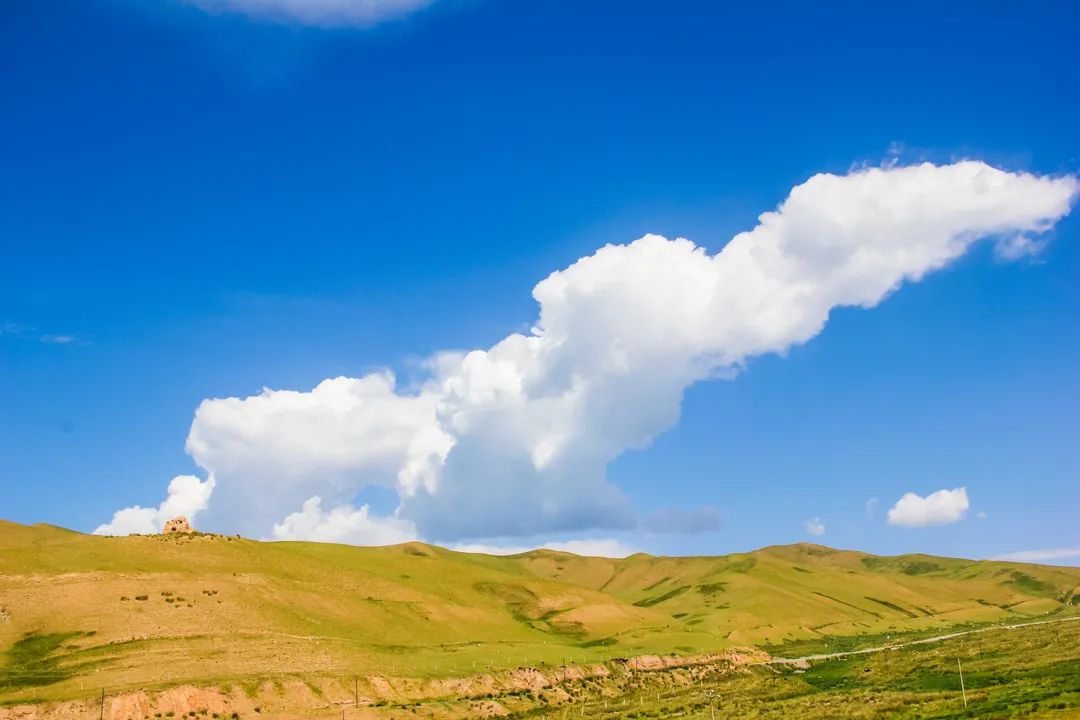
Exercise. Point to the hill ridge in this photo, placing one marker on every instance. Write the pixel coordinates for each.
(190, 608)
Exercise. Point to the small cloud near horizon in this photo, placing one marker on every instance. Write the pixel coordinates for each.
(1037, 556)
(939, 508)
(598, 547)
(814, 526)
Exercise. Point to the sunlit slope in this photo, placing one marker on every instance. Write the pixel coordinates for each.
(156, 610)
(206, 605)
(798, 591)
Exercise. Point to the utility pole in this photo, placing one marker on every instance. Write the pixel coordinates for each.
(355, 691)
(962, 689)
(101, 714)
(711, 694)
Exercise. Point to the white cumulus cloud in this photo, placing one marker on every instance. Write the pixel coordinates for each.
(342, 524)
(814, 526)
(277, 449)
(187, 495)
(938, 508)
(514, 440)
(324, 13)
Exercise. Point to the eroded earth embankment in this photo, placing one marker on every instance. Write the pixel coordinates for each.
(496, 694)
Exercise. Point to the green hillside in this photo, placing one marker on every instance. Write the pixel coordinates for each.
(80, 611)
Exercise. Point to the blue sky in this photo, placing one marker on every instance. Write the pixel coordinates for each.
(198, 205)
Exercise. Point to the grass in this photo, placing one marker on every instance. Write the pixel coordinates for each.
(34, 660)
(1028, 672)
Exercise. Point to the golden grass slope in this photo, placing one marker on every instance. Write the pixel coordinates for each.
(785, 593)
(152, 611)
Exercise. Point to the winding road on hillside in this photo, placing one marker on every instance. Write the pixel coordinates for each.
(909, 643)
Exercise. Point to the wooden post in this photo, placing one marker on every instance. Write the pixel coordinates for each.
(356, 691)
(101, 715)
(962, 689)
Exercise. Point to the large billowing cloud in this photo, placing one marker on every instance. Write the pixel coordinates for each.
(325, 13)
(513, 441)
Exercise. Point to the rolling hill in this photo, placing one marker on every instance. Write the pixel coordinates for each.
(80, 611)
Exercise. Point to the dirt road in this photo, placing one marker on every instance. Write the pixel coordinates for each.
(909, 643)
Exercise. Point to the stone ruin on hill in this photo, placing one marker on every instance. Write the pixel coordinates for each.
(178, 524)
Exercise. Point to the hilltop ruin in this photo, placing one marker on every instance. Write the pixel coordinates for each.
(178, 524)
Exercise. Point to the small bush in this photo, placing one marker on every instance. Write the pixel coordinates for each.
(142, 597)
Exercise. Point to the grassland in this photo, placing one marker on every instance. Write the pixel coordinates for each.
(1031, 672)
(79, 612)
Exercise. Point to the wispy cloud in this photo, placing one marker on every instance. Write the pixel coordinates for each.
(321, 13)
(1017, 246)
(592, 547)
(32, 334)
(58, 339)
(1035, 556)
(11, 328)
(686, 522)
(814, 526)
